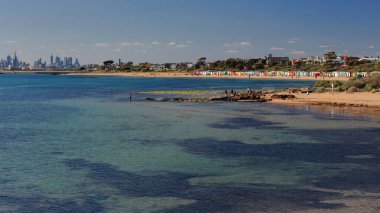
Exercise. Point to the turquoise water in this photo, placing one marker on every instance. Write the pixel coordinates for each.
(76, 144)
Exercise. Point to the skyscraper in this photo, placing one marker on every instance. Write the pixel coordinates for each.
(70, 61)
(77, 64)
(58, 61)
(51, 60)
(16, 62)
(9, 60)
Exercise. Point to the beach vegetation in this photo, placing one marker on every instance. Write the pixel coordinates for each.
(358, 83)
(369, 87)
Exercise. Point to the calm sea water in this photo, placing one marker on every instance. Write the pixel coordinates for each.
(76, 144)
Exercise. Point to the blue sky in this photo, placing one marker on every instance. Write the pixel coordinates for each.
(184, 30)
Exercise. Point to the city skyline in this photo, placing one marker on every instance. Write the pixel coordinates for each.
(174, 31)
(17, 63)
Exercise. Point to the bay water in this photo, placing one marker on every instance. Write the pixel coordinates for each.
(77, 144)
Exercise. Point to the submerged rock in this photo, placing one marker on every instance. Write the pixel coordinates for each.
(251, 96)
(150, 99)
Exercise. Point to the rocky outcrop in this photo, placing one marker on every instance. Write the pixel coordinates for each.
(233, 98)
(283, 97)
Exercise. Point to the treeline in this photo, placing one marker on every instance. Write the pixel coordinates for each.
(260, 64)
(237, 64)
(245, 65)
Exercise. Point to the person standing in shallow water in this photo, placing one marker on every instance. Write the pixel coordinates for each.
(226, 93)
(130, 96)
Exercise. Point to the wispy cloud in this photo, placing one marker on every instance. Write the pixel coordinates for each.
(189, 42)
(324, 46)
(238, 44)
(181, 45)
(297, 52)
(101, 44)
(245, 43)
(176, 45)
(171, 43)
(118, 50)
(277, 48)
(371, 47)
(10, 42)
(131, 44)
(293, 40)
(232, 51)
(155, 43)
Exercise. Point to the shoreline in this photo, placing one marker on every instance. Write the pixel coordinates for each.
(359, 101)
(190, 75)
(341, 99)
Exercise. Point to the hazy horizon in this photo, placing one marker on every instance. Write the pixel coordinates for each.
(177, 30)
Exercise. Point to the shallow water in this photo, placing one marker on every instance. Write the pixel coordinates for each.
(76, 144)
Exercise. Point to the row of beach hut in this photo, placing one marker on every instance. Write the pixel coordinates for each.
(281, 73)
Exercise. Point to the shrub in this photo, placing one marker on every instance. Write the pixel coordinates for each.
(323, 84)
(374, 80)
(352, 89)
(369, 87)
(320, 89)
(340, 89)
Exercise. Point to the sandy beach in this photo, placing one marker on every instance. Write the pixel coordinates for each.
(190, 75)
(359, 99)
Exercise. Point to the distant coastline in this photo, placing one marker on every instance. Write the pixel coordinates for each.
(192, 75)
(356, 99)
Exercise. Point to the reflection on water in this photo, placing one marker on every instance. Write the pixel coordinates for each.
(86, 150)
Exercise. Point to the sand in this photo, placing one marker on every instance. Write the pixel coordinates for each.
(359, 99)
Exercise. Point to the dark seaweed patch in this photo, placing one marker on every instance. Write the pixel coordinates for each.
(238, 123)
(166, 184)
(209, 198)
(357, 179)
(306, 152)
(47, 205)
(343, 136)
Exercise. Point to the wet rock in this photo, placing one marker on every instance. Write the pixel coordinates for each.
(174, 99)
(283, 97)
(224, 98)
(150, 99)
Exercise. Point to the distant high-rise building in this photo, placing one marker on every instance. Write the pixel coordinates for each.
(16, 62)
(58, 62)
(77, 64)
(9, 60)
(65, 64)
(70, 61)
(51, 60)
